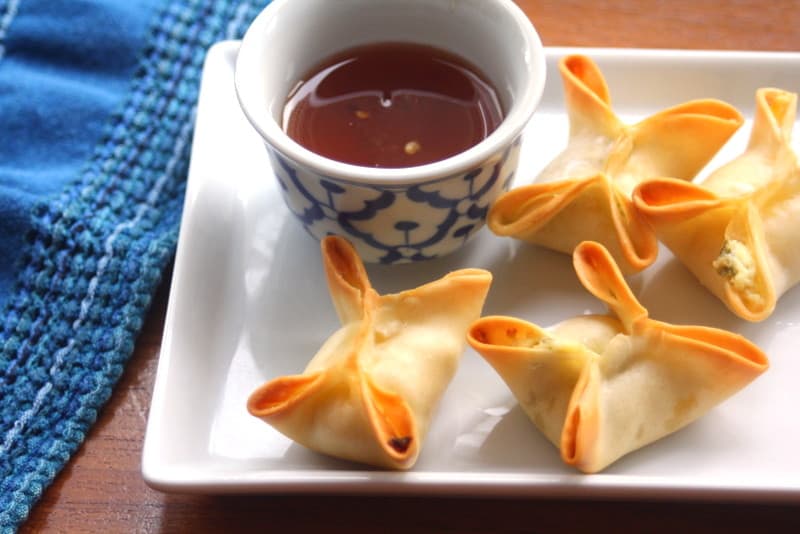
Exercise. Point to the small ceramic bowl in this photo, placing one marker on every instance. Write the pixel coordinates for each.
(397, 214)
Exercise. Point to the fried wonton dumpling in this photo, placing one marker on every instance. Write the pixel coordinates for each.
(585, 192)
(601, 386)
(369, 393)
(738, 231)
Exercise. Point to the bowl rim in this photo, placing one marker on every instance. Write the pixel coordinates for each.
(474, 157)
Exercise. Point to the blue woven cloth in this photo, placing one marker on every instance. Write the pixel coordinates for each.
(97, 102)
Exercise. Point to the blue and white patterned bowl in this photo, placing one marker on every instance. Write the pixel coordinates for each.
(391, 215)
(398, 223)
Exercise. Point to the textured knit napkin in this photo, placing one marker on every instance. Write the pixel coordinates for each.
(97, 104)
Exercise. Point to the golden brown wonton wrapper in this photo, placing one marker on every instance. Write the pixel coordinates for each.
(585, 192)
(369, 393)
(739, 231)
(601, 386)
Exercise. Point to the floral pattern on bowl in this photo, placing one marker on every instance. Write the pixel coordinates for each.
(396, 223)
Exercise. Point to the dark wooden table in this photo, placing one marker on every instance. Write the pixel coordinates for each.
(101, 489)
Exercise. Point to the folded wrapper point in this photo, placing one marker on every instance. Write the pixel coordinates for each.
(585, 192)
(369, 394)
(738, 230)
(601, 386)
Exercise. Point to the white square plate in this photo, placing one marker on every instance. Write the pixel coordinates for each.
(249, 303)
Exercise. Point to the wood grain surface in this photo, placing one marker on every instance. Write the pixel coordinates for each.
(101, 489)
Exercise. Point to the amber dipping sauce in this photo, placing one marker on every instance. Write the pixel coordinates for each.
(391, 105)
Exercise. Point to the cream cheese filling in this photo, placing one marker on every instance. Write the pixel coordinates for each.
(736, 264)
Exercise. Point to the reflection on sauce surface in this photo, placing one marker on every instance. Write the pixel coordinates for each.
(391, 105)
